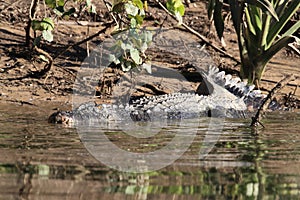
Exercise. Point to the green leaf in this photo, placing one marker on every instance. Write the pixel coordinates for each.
(47, 35)
(175, 6)
(289, 12)
(134, 54)
(36, 25)
(138, 3)
(211, 8)
(292, 30)
(47, 24)
(178, 17)
(253, 18)
(275, 48)
(88, 3)
(131, 9)
(51, 3)
(126, 66)
(181, 9)
(61, 3)
(147, 67)
(265, 5)
(59, 10)
(133, 23)
(139, 19)
(218, 19)
(236, 12)
(93, 9)
(112, 58)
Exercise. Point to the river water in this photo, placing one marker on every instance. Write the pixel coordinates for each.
(228, 161)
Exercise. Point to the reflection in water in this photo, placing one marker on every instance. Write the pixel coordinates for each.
(44, 161)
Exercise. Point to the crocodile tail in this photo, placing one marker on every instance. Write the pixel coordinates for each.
(216, 81)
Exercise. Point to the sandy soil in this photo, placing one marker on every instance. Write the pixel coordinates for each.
(18, 65)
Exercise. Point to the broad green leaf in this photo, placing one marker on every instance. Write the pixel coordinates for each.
(148, 36)
(181, 9)
(47, 35)
(47, 24)
(133, 23)
(134, 54)
(175, 6)
(138, 3)
(131, 9)
(126, 46)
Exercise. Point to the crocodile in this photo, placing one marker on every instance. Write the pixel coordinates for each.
(223, 96)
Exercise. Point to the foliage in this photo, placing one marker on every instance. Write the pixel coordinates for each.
(46, 25)
(129, 50)
(130, 16)
(259, 27)
(176, 7)
(130, 46)
(132, 9)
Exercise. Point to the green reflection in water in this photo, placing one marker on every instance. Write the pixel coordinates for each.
(43, 161)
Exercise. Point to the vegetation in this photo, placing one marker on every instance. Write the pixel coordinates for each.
(259, 28)
(46, 24)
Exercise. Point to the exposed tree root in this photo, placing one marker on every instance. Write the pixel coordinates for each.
(256, 120)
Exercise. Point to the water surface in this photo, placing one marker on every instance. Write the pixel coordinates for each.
(45, 161)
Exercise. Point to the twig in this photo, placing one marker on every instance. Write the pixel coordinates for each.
(259, 114)
(288, 84)
(107, 26)
(32, 11)
(108, 7)
(204, 39)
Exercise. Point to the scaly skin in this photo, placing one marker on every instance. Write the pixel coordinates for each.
(228, 97)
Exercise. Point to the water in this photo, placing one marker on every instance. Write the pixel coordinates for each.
(44, 161)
